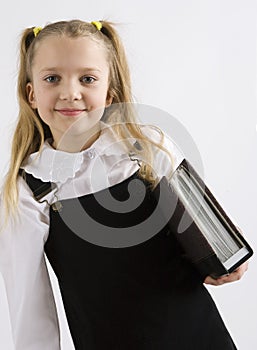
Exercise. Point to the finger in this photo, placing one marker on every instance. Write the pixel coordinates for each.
(214, 281)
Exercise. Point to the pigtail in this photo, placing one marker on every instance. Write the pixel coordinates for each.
(26, 40)
(29, 128)
(28, 36)
(29, 133)
(124, 119)
(122, 92)
(120, 85)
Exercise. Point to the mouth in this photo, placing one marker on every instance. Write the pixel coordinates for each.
(70, 112)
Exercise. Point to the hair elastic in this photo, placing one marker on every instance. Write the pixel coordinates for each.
(36, 30)
(97, 24)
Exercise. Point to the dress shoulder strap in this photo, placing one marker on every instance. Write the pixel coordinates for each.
(39, 187)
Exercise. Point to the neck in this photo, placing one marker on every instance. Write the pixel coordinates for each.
(74, 144)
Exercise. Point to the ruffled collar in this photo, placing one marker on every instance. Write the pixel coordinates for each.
(58, 166)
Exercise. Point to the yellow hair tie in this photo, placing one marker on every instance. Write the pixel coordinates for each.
(98, 25)
(36, 30)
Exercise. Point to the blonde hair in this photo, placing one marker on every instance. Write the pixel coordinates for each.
(31, 131)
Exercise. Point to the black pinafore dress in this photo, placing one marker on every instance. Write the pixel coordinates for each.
(140, 297)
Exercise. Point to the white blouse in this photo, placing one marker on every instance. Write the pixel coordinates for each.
(32, 309)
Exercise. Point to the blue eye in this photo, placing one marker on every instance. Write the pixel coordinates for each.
(52, 79)
(87, 79)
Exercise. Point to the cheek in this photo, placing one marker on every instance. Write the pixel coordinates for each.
(97, 98)
(44, 117)
(44, 112)
(44, 102)
(44, 96)
(95, 114)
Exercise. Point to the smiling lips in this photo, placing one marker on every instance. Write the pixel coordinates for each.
(70, 112)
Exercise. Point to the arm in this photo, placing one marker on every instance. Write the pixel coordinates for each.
(32, 309)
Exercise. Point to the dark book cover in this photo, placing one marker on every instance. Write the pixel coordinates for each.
(205, 232)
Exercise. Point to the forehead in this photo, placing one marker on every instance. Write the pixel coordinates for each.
(63, 51)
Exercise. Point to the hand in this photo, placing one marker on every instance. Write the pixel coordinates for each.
(232, 277)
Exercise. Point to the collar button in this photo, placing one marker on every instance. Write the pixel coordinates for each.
(91, 154)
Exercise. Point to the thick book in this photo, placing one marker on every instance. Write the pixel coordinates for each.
(208, 237)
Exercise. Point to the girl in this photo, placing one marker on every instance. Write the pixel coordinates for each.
(81, 181)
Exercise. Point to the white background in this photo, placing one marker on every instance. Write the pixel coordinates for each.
(195, 60)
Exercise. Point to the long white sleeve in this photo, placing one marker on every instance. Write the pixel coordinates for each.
(32, 309)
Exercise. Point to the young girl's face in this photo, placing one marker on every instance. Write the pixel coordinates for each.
(69, 86)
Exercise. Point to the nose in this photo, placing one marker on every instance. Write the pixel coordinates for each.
(70, 91)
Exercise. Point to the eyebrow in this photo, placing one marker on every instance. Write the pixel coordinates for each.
(88, 69)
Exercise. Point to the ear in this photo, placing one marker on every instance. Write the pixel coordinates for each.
(109, 99)
(31, 95)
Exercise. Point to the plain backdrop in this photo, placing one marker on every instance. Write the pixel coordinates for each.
(195, 60)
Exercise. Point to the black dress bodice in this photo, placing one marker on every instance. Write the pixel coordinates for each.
(145, 296)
